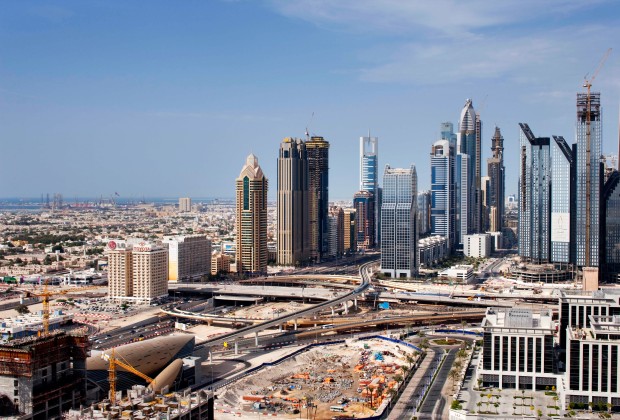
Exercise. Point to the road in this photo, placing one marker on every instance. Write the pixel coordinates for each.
(434, 404)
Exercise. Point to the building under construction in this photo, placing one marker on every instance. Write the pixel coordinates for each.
(42, 377)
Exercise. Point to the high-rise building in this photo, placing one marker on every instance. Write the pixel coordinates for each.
(350, 236)
(588, 179)
(189, 257)
(399, 240)
(447, 133)
(485, 186)
(336, 232)
(497, 179)
(443, 190)
(293, 217)
(369, 172)
(463, 196)
(364, 204)
(185, 204)
(220, 263)
(424, 212)
(534, 197)
(137, 271)
(610, 228)
(251, 227)
(318, 190)
(562, 202)
(469, 139)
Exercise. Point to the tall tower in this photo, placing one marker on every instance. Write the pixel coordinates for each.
(497, 178)
(534, 196)
(443, 190)
(469, 139)
(318, 188)
(562, 202)
(251, 255)
(399, 243)
(588, 179)
(364, 204)
(293, 223)
(369, 172)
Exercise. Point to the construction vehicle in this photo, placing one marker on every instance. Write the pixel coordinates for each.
(114, 361)
(45, 295)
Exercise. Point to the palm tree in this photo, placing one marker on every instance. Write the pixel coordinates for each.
(454, 375)
(409, 358)
(457, 364)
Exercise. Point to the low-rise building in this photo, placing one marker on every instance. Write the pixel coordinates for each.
(220, 263)
(458, 274)
(432, 250)
(478, 245)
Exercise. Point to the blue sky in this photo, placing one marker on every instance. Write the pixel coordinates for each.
(164, 98)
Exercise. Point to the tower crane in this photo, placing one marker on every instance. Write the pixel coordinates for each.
(113, 361)
(46, 295)
(588, 84)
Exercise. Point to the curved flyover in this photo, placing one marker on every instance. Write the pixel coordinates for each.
(255, 329)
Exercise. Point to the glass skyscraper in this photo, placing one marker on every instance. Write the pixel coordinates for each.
(318, 190)
(611, 228)
(369, 173)
(443, 191)
(461, 180)
(399, 241)
(424, 212)
(562, 202)
(534, 196)
(469, 140)
(496, 183)
(588, 179)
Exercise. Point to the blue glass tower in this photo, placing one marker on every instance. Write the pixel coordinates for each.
(369, 175)
(443, 191)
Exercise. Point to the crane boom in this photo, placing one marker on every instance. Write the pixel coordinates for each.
(114, 361)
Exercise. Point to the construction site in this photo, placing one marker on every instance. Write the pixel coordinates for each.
(355, 378)
(43, 376)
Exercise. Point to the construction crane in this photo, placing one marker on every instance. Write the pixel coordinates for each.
(46, 295)
(588, 84)
(113, 361)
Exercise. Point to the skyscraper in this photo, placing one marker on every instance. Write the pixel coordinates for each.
(463, 202)
(336, 232)
(588, 179)
(424, 212)
(293, 217)
(350, 237)
(469, 140)
(369, 172)
(562, 202)
(364, 203)
(251, 227)
(610, 232)
(443, 190)
(534, 196)
(497, 178)
(318, 189)
(399, 241)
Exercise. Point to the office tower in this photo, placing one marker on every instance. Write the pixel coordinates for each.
(562, 202)
(469, 138)
(318, 190)
(336, 232)
(588, 179)
(251, 253)
(610, 228)
(443, 190)
(534, 196)
(462, 194)
(485, 185)
(185, 204)
(399, 241)
(364, 204)
(350, 243)
(369, 172)
(497, 181)
(424, 212)
(447, 133)
(137, 271)
(293, 222)
(189, 257)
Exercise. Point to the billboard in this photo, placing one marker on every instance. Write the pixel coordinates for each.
(560, 227)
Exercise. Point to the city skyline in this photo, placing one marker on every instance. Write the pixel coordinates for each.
(178, 94)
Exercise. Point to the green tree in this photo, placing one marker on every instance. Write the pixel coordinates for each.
(22, 309)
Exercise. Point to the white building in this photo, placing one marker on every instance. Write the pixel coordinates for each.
(458, 273)
(518, 349)
(432, 250)
(185, 204)
(478, 245)
(189, 257)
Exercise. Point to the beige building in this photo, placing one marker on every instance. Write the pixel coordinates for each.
(220, 263)
(336, 232)
(185, 204)
(189, 257)
(350, 243)
(251, 225)
(137, 271)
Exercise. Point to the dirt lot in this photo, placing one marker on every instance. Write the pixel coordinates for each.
(356, 377)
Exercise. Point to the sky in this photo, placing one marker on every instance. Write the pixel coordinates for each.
(167, 98)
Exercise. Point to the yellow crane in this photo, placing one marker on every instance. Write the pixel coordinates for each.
(588, 84)
(46, 294)
(113, 361)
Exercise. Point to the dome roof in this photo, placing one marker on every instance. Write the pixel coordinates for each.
(468, 117)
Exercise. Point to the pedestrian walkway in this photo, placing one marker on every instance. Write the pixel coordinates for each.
(410, 397)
